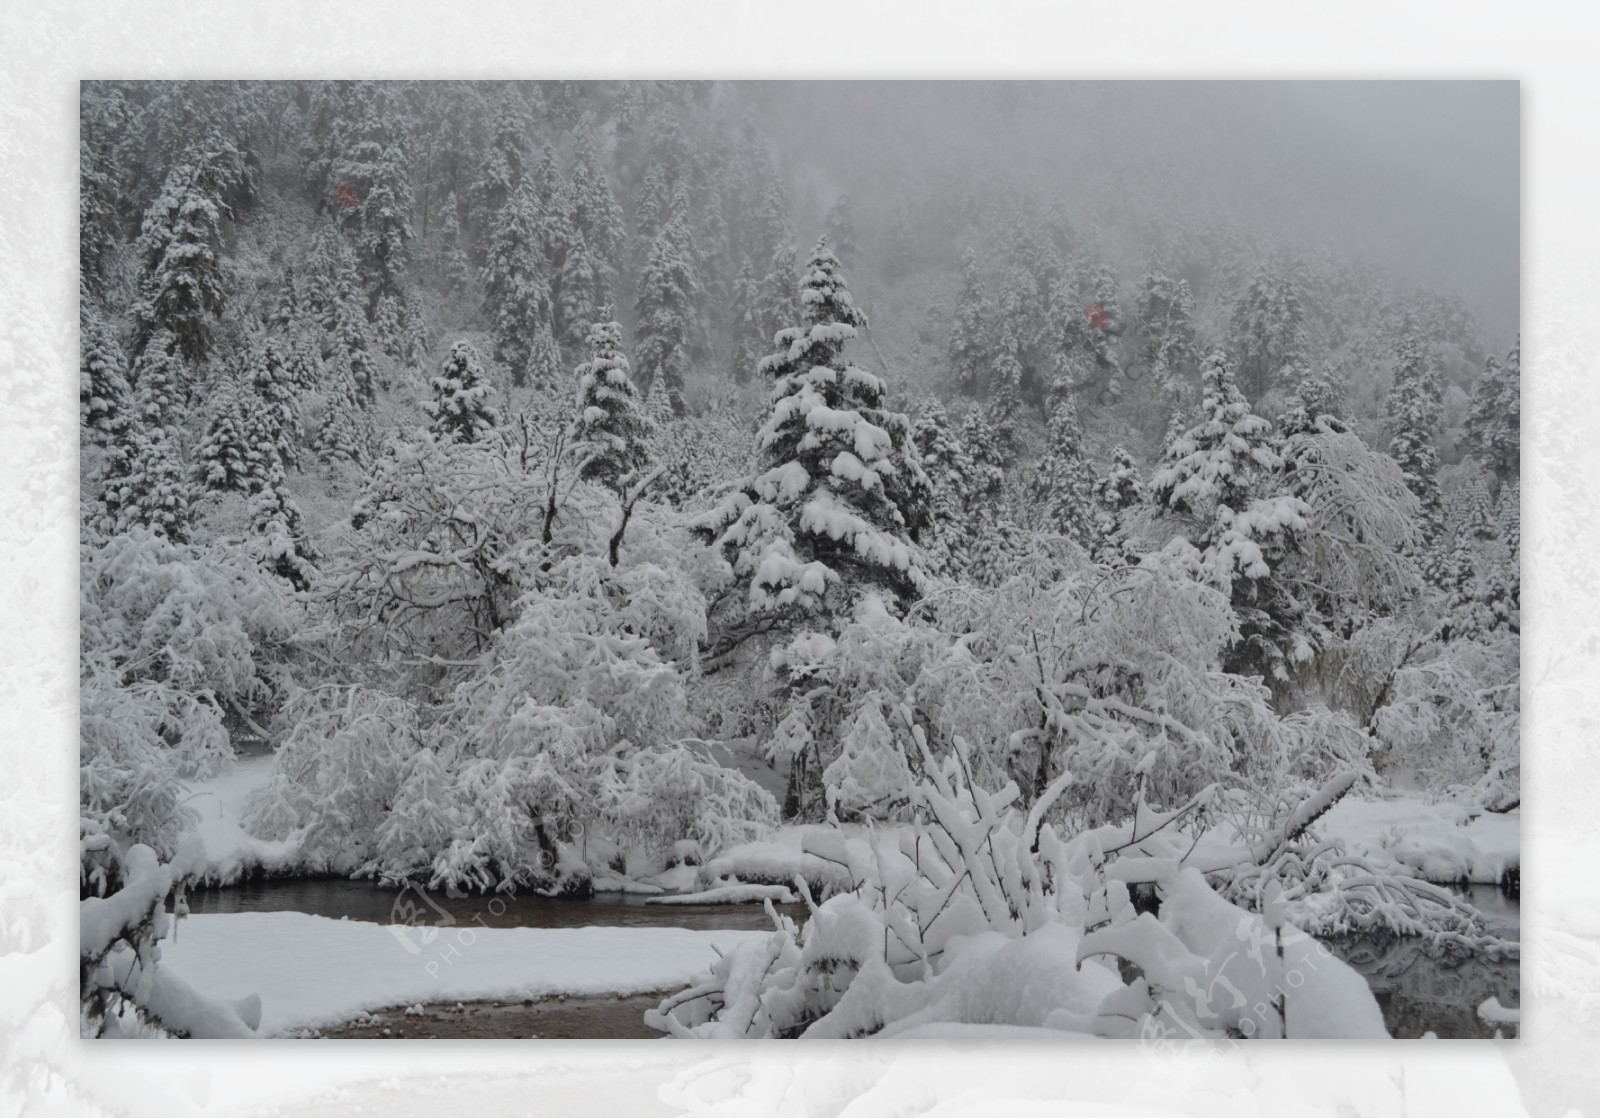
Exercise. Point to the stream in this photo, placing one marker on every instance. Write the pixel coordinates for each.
(1418, 991)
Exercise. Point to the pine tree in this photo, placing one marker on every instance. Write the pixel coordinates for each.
(97, 208)
(1221, 479)
(388, 328)
(949, 470)
(1117, 492)
(841, 229)
(341, 437)
(1004, 410)
(459, 411)
(555, 206)
(279, 539)
(839, 498)
(579, 294)
(145, 485)
(158, 376)
(1166, 336)
(332, 278)
(302, 367)
(457, 270)
(610, 413)
(352, 336)
(503, 169)
(181, 289)
(516, 285)
(1062, 481)
(968, 349)
(669, 148)
(1315, 405)
(225, 457)
(775, 232)
(596, 216)
(1069, 354)
(996, 541)
(776, 308)
(668, 289)
(1269, 333)
(712, 237)
(544, 360)
(652, 205)
(1414, 406)
(749, 342)
(103, 391)
(286, 315)
(1495, 422)
(374, 172)
(414, 334)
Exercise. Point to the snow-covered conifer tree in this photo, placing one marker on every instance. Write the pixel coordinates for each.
(840, 497)
(968, 348)
(158, 377)
(459, 411)
(1221, 481)
(457, 268)
(668, 290)
(841, 229)
(226, 459)
(1269, 332)
(516, 284)
(181, 288)
(278, 536)
(1414, 407)
(610, 414)
(579, 294)
(1494, 424)
(1062, 481)
(146, 485)
(596, 216)
(1119, 490)
(950, 477)
(744, 314)
(341, 436)
(776, 307)
(103, 392)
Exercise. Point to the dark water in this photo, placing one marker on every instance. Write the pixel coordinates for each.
(365, 900)
(1418, 990)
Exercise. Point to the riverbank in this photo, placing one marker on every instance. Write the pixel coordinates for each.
(317, 973)
(553, 1019)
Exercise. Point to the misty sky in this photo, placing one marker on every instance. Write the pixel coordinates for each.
(1423, 175)
(1458, 143)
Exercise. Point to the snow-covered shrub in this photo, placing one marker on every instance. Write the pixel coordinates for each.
(443, 540)
(853, 700)
(1453, 713)
(122, 984)
(1116, 675)
(983, 915)
(174, 639)
(568, 729)
(336, 773)
(669, 793)
(205, 622)
(129, 789)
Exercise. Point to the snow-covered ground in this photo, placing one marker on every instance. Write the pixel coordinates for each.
(1435, 840)
(1439, 841)
(313, 972)
(232, 852)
